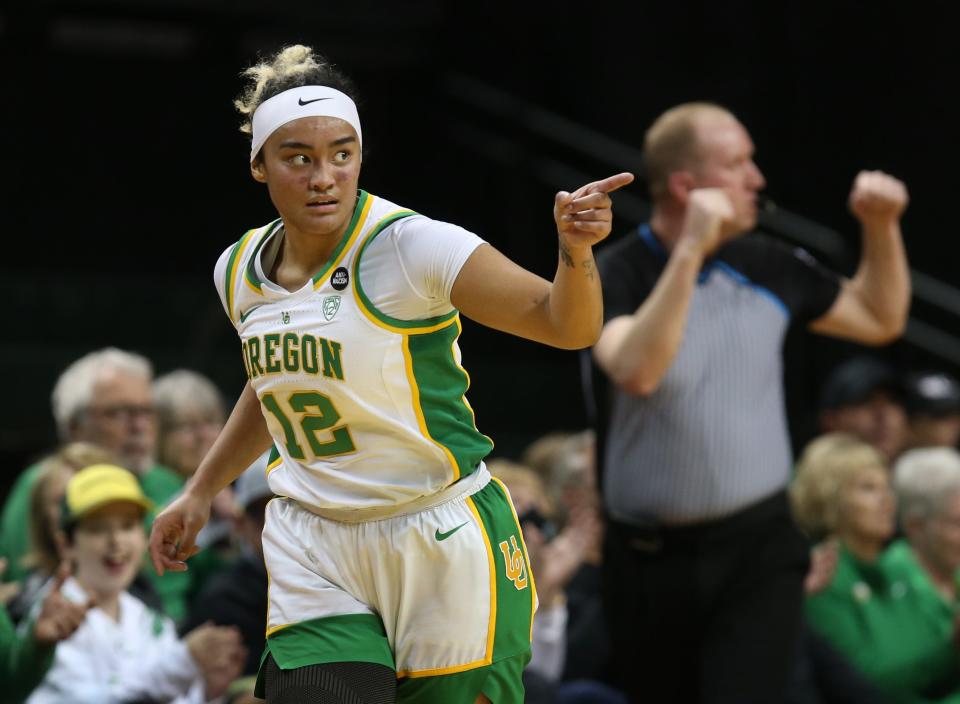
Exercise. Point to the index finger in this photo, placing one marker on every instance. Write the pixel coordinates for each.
(63, 571)
(607, 185)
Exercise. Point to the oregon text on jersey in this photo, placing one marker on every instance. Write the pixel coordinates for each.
(292, 352)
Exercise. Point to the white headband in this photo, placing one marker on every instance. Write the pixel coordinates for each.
(306, 101)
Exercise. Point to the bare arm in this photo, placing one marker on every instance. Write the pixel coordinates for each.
(566, 313)
(243, 439)
(872, 307)
(637, 350)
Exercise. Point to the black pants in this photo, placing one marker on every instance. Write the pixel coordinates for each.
(709, 612)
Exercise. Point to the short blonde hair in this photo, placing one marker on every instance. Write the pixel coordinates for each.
(517, 476)
(672, 144)
(291, 67)
(826, 466)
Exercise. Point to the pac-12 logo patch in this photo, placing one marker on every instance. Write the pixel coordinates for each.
(340, 278)
(331, 304)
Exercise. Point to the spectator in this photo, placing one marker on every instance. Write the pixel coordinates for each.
(555, 557)
(932, 402)
(704, 565)
(45, 500)
(190, 415)
(927, 482)
(874, 611)
(566, 464)
(237, 596)
(864, 397)
(542, 452)
(103, 398)
(123, 651)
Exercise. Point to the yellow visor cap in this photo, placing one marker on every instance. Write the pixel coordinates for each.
(99, 485)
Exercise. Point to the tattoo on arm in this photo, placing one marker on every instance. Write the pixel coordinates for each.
(588, 268)
(565, 256)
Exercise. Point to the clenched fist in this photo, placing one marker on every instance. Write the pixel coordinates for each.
(877, 199)
(708, 219)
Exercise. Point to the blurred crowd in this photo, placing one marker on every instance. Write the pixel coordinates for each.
(877, 493)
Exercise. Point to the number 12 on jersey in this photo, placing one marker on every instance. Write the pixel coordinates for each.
(315, 413)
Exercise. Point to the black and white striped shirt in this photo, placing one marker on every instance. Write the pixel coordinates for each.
(712, 439)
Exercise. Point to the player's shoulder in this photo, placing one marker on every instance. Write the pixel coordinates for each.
(382, 214)
(240, 246)
(392, 221)
(237, 253)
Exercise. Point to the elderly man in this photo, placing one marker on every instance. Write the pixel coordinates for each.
(705, 568)
(104, 398)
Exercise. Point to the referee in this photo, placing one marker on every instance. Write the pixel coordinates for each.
(704, 565)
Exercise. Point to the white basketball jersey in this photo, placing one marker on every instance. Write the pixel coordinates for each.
(366, 411)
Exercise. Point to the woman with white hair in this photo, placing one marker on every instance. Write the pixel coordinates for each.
(190, 415)
(927, 482)
(874, 611)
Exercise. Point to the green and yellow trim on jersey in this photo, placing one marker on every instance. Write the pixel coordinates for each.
(436, 379)
(274, 460)
(250, 271)
(403, 327)
(230, 277)
(360, 211)
(359, 219)
(433, 372)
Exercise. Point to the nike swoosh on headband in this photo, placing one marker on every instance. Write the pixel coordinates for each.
(301, 101)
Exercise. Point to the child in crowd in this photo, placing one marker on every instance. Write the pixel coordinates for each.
(124, 651)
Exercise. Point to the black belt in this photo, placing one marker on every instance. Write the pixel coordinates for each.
(655, 538)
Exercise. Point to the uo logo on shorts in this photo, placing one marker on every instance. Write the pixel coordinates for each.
(516, 565)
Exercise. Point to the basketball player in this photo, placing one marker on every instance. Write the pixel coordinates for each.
(397, 568)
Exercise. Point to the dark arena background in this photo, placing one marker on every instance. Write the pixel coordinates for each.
(124, 174)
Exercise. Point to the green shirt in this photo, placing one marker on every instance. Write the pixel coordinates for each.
(23, 662)
(890, 622)
(15, 542)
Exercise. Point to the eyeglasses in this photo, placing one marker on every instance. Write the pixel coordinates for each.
(123, 412)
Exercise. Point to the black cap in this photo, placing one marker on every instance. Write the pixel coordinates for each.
(932, 394)
(854, 381)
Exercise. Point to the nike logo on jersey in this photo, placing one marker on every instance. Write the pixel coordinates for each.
(307, 102)
(244, 316)
(443, 536)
